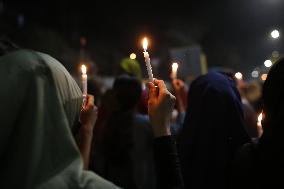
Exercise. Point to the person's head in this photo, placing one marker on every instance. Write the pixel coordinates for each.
(127, 91)
(213, 128)
(131, 67)
(273, 98)
(253, 91)
(39, 102)
(213, 99)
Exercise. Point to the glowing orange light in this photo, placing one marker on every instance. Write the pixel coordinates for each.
(263, 77)
(239, 75)
(174, 66)
(84, 69)
(259, 119)
(145, 43)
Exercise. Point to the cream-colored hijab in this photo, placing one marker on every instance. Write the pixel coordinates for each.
(39, 101)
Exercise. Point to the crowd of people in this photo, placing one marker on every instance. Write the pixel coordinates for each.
(129, 136)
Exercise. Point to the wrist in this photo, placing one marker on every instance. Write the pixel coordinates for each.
(86, 129)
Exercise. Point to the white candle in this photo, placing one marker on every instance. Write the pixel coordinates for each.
(84, 82)
(174, 70)
(147, 60)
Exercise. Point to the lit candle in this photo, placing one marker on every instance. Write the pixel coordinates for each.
(84, 82)
(174, 70)
(147, 60)
(239, 75)
(259, 119)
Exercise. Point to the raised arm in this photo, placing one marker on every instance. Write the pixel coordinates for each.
(160, 106)
(88, 117)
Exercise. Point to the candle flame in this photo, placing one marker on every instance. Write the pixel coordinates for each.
(259, 119)
(239, 75)
(84, 69)
(263, 77)
(175, 66)
(145, 43)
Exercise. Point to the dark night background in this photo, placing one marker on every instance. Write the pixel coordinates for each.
(232, 33)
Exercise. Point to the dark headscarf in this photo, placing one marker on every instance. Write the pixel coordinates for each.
(271, 144)
(213, 131)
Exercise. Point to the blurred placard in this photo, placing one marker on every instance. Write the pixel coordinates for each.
(191, 60)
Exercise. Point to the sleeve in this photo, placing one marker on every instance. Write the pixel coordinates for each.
(167, 164)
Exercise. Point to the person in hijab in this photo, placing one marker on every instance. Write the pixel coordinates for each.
(213, 131)
(260, 165)
(40, 102)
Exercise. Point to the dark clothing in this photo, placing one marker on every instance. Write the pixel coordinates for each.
(245, 172)
(250, 120)
(167, 164)
(262, 165)
(129, 163)
(153, 162)
(253, 170)
(213, 131)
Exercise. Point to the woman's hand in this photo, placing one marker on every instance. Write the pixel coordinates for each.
(180, 93)
(89, 114)
(178, 86)
(160, 106)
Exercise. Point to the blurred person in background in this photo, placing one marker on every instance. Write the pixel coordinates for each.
(180, 92)
(132, 67)
(253, 93)
(250, 115)
(124, 153)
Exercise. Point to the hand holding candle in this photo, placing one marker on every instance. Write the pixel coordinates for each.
(174, 70)
(147, 60)
(84, 82)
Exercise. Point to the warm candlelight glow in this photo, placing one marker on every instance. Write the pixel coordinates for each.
(174, 70)
(145, 44)
(239, 75)
(263, 77)
(174, 66)
(84, 69)
(259, 119)
(132, 56)
(147, 60)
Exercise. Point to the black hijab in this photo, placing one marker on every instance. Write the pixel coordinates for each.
(212, 133)
(271, 145)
